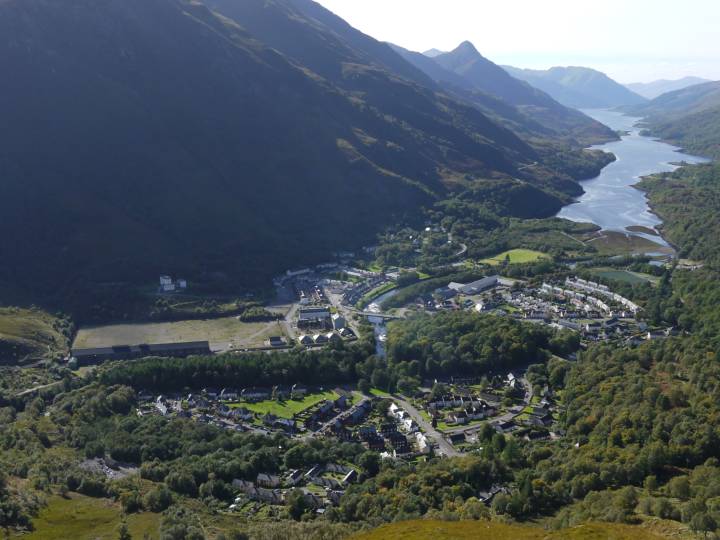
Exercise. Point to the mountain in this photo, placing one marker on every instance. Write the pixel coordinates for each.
(692, 99)
(654, 89)
(155, 136)
(689, 117)
(391, 83)
(578, 87)
(432, 53)
(466, 74)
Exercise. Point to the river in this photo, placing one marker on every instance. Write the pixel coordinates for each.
(609, 200)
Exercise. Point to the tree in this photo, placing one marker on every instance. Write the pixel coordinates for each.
(123, 531)
(703, 523)
(158, 499)
(370, 462)
(296, 504)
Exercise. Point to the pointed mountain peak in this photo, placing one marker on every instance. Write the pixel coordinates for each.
(466, 47)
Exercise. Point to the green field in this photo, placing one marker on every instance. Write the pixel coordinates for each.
(289, 408)
(516, 256)
(617, 243)
(370, 295)
(219, 332)
(486, 530)
(625, 276)
(84, 518)
(29, 333)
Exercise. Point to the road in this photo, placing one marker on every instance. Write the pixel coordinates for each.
(444, 447)
(36, 388)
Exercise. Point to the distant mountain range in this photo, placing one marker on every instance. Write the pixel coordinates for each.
(432, 53)
(655, 89)
(578, 87)
(689, 117)
(469, 76)
(229, 140)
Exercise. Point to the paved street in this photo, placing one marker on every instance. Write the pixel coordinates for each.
(444, 447)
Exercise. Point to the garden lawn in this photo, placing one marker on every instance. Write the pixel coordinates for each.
(289, 408)
(516, 256)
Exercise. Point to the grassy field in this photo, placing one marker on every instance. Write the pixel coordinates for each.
(618, 243)
(83, 518)
(289, 408)
(29, 334)
(219, 332)
(625, 276)
(483, 530)
(516, 256)
(382, 289)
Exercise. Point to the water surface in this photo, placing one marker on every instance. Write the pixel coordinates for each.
(609, 200)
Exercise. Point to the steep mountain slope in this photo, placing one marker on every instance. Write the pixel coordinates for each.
(688, 100)
(319, 40)
(149, 136)
(481, 78)
(657, 88)
(578, 87)
(689, 118)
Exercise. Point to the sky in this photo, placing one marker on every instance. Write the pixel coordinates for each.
(630, 40)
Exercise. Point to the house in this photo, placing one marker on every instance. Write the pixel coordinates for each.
(504, 427)
(95, 355)
(268, 480)
(333, 337)
(376, 443)
(314, 471)
(294, 477)
(211, 393)
(229, 394)
(366, 432)
(341, 402)
(422, 443)
(476, 286)
(460, 418)
(270, 496)
(286, 424)
(319, 339)
(166, 284)
(314, 317)
(255, 393)
(242, 485)
(457, 438)
(541, 421)
(399, 442)
(242, 413)
(347, 333)
(325, 407)
(312, 500)
(540, 411)
(338, 322)
(487, 497)
(335, 495)
(306, 340)
(388, 428)
(350, 477)
(409, 425)
(276, 341)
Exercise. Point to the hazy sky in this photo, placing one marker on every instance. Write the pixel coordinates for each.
(631, 40)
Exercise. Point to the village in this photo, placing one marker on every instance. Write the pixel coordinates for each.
(328, 305)
(445, 418)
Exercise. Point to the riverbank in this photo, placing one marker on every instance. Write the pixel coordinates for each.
(613, 200)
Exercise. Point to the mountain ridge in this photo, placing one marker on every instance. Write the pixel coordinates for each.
(656, 88)
(578, 87)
